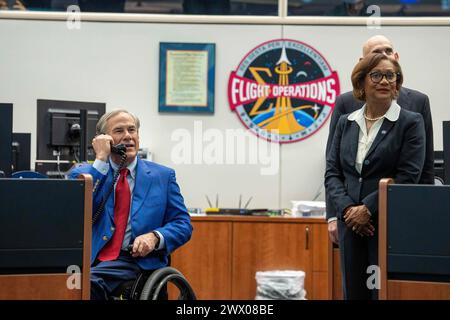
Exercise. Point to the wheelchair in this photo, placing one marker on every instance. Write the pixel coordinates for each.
(152, 285)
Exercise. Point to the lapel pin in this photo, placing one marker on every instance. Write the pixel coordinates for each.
(383, 132)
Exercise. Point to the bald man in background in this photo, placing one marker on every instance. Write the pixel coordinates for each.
(408, 99)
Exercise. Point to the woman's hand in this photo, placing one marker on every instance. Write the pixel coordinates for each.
(358, 218)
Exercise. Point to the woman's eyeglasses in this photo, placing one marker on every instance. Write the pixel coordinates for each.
(377, 76)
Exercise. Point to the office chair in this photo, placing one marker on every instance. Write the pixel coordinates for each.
(28, 174)
(438, 181)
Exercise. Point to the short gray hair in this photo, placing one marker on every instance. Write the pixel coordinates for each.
(101, 124)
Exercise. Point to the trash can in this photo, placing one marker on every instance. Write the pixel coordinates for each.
(280, 285)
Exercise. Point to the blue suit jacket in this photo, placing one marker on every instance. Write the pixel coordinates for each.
(397, 152)
(157, 205)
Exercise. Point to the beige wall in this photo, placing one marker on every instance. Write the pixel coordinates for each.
(117, 63)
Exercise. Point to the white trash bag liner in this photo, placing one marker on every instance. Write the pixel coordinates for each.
(280, 285)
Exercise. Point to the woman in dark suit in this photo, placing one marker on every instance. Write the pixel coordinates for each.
(380, 140)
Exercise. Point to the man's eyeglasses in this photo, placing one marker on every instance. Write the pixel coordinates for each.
(377, 76)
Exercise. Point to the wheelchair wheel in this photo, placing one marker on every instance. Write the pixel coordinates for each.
(163, 276)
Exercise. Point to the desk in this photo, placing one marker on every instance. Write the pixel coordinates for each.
(225, 252)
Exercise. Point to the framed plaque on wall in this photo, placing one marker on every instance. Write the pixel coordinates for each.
(186, 77)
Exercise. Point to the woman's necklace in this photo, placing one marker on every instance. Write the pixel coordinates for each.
(372, 119)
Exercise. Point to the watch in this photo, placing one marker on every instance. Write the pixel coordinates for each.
(158, 239)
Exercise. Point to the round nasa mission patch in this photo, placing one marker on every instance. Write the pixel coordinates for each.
(283, 90)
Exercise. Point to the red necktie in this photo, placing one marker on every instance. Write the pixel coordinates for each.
(121, 210)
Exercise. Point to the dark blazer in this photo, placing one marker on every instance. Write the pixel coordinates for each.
(157, 204)
(397, 152)
(408, 99)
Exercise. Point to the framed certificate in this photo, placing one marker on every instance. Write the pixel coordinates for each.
(186, 77)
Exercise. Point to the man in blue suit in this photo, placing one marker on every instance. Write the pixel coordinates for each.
(146, 211)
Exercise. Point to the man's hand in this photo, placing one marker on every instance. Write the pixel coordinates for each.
(144, 244)
(358, 218)
(333, 231)
(102, 146)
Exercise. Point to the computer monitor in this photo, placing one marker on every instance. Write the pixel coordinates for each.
(21, 147)
(59, 133)
(6, 117)
(439, 164)
(65, 126)
(446, 145)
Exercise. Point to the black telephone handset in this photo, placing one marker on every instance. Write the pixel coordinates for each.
(121, 150)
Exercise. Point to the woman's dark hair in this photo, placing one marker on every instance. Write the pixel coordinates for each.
(364, 66)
